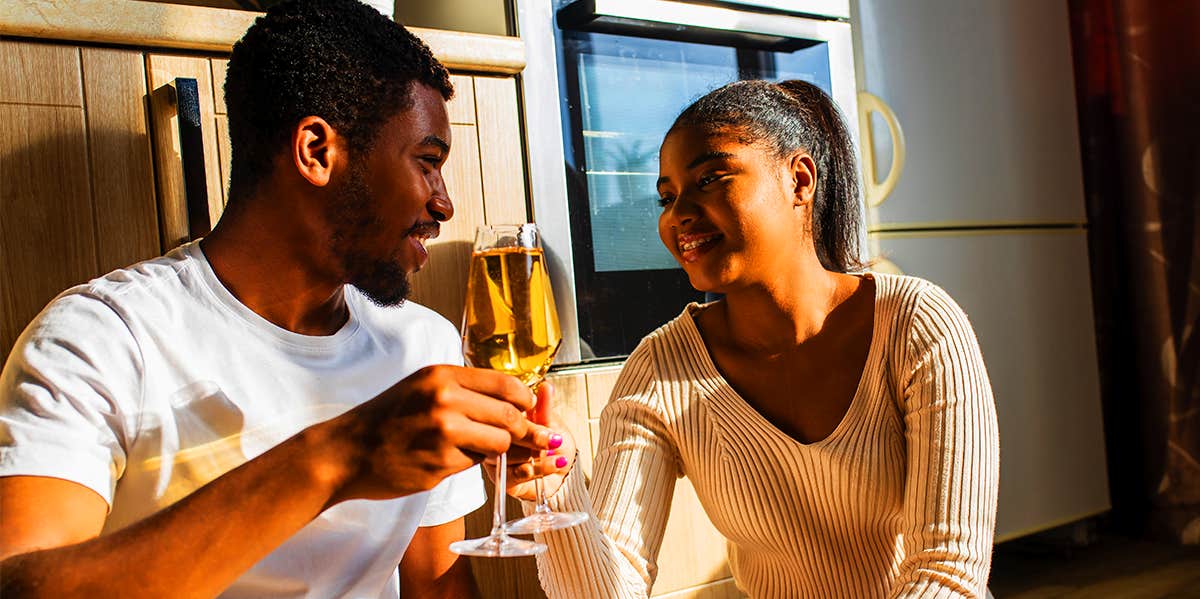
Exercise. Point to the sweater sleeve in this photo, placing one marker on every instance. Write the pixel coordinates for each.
(949, 512)
(613, 554)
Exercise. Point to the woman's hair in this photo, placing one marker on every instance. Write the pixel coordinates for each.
(337, 59)
(787, 117)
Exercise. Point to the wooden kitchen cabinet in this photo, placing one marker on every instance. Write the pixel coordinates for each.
(90, 180)
(76, 185)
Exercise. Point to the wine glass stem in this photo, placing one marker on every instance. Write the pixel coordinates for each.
(498, 517)
(542, 506)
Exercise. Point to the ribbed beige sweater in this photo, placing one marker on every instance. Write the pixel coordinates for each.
(899, 501)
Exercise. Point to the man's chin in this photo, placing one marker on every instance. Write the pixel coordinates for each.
(384, 300)
(385, 293)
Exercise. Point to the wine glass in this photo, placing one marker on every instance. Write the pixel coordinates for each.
(543, 519)
(509, 325)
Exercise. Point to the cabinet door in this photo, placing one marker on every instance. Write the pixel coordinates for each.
(76, 190)
(1028, 296)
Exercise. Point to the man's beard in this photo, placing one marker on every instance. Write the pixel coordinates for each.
(354, 216)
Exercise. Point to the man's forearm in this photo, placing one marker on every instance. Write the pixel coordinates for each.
(430, 571)
(198, 546)
(405, 440)
(458, 583)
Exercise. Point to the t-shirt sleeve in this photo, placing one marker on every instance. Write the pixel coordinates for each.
(454, 497)
(68, 395)
(452, 352)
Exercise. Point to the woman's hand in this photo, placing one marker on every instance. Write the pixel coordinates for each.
(526, 465)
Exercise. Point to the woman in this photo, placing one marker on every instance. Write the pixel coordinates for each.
(838, 428)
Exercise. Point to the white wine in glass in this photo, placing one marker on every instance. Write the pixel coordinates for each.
(509, 325)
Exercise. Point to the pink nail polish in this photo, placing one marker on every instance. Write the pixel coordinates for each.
(551, 452)
(561, 462)
(555, 441)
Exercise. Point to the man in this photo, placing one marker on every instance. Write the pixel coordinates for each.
(260, 413)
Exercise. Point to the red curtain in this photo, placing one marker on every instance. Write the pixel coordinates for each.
(1137, 74)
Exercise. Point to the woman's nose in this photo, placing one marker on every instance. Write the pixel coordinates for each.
(681, 212)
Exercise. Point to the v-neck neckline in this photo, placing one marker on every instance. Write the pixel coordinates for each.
(739, 403)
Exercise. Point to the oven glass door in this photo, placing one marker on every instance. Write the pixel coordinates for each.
(619, 95)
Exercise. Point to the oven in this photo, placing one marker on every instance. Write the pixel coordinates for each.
(603, 82)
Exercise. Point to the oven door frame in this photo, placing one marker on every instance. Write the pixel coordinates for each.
(540, 95)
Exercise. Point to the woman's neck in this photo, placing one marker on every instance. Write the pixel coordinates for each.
(776, 316)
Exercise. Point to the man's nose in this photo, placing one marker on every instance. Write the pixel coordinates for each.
(440, 206)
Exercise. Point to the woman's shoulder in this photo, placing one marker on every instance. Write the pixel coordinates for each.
(678, 334)
(919, 310)
(899, 289)
(674, 351)
(904, 296)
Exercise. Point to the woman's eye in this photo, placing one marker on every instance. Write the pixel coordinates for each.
(706, 179)
(664, 200)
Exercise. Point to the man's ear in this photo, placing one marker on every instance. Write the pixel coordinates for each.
(316, 150)
(804, 178)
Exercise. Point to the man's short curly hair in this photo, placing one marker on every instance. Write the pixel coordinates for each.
(337, 59)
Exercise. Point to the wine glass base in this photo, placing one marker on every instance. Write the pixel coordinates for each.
(500, 545)
(545, 521)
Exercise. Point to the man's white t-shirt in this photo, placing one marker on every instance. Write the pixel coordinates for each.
(147, 383)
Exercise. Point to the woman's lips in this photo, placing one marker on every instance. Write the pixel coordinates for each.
(693, 245)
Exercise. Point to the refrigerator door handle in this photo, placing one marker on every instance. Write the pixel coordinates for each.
(875, 192)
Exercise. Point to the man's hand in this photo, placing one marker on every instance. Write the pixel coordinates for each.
(437, 422)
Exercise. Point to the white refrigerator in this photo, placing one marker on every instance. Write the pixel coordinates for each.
(989, 204)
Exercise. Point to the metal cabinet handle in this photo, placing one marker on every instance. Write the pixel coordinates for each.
(874, 193)
(191, 152)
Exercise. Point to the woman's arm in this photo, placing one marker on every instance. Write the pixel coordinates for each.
(613, 554)
(949, 513)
